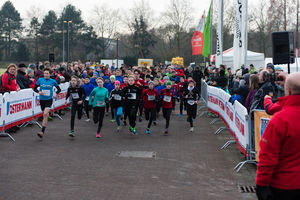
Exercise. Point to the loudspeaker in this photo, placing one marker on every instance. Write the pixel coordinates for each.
(283, 47)
(51, 57)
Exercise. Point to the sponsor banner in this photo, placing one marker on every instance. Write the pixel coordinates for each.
(223, 99)
(18, 107)
(213, 98)
(261, 120)
(1, 112)
(59, 102)
(229, 117)
(37, 112)
(241, 125)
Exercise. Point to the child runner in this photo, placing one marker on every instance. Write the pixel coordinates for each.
(167, 106)
(158, 87)
(117, 103)
(88, 88)
(132, 96)
(46, 85)
(192, 97)
(182, 85)
(139, 82)
(125, 83)
(98, 98)
(77, 95)
(150, 97)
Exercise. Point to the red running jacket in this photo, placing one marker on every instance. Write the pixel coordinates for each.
(279, 157)
(6, 86)
(149, 98)
(166, 98)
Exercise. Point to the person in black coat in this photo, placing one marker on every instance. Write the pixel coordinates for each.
(197, 76)
(22, 80)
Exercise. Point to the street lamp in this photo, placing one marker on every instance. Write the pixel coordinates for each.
(68, 46)
(117, 53)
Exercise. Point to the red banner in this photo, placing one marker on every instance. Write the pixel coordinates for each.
(197, 40)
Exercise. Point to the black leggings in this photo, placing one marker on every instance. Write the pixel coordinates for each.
(191, 112)
(182, 105)
(141, 107)
(98, 117)
(75, 108)
(87, 108)
(150, 114)
(167, 115)
(131, 113)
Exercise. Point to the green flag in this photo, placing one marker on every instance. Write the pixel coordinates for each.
(206, 35)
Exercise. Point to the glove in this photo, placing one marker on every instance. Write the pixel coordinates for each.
(264, 193)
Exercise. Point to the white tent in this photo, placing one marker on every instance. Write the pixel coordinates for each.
(257, 59)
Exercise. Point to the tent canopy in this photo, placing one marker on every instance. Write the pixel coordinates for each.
(257, 59)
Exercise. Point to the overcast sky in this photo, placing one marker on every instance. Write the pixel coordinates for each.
(86, 6)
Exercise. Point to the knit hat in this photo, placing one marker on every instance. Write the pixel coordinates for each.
(270, 65)
(22, 65)
(150, 82)
(32, 66)
(29, 70)
(117, 83)
(168, 83)
(113, 76)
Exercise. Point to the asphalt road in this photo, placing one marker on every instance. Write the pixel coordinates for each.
(185, 165)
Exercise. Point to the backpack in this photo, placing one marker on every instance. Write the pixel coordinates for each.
(9, 80)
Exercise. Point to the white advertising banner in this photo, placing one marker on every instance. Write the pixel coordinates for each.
(1, 112)
(229, 118)
(222, 103)
(213, 98)
(219, 36)
(18, 107)
(59, 102)
(241, 124)
(37, 112)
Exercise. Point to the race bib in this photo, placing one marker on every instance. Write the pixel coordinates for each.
(132, 96)
(151, 97)
(167, 98)
(46, 93)
(191, 102)
(75, 95)
(117, 97)
(100, 103)
(87, 98)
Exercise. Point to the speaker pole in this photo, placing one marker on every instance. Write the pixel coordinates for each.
(289, 70)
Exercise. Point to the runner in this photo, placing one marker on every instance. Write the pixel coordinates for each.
(117, 103)
(192, 97)
(125, 83)
(98, 98)
(167, 95)
(46, 96)
(88, 88)
(139, 82)
(182, 85)
(77, 95)
(132, 96)
(150, 97)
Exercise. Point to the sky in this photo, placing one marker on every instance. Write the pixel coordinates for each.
(27, 8)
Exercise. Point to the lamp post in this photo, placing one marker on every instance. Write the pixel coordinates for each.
(117, 53)
(68, 43)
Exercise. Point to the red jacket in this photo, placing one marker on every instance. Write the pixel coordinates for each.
(33, 82)
(149, 97)
(123, 85)
(270, 107)
(166, 98)
(279, 157)
(140, 83)
(9, 86)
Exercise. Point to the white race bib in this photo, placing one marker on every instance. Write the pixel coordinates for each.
(46, 93)
(75, 95)
(132, 96)
(151, 97)
(167, 98)
(87, 98)
(100, 103)
(191, 102)
(117, 97)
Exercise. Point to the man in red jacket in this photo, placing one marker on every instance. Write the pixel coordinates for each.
(278, 171)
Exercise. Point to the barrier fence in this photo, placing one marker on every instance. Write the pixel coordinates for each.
(237, 121)
(21, 107)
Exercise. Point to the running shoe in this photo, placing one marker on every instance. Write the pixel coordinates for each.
(166, 131)
(71, 134)
(192, 129)
(134, 131)
(130, 129)
(98, 135)
(112, 121)
(118, 128)
(154, 123)
(140, 119)
(87, 120)
(124, 123)
(180, 115)
(148, 131)
(40, 134)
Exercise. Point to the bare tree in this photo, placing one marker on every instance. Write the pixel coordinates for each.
(179, 16)
(105, 21)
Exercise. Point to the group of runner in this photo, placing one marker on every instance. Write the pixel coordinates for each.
(128, 97)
